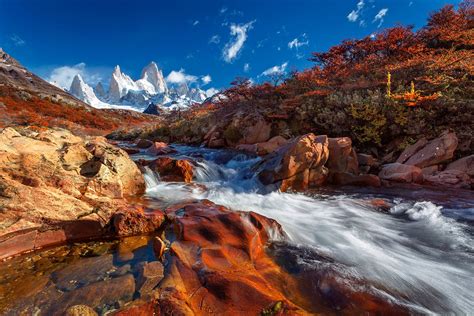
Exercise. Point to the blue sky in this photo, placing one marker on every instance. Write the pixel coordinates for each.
(221, 39)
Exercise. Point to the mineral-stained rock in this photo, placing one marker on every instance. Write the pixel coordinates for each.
(56, 187)
(149, 275)
(96, 294)
(401, 173)
(134, 221)
(292, 163)
(435, 151)
(174, 170)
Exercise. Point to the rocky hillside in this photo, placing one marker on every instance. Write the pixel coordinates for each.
(26, 99)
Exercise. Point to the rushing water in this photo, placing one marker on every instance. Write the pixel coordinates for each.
(420, 254)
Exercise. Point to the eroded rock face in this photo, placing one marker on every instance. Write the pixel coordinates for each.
(433, 152)
(55, 186)
(401, 173)
(172, 170)
(218, 263)
(293, 163)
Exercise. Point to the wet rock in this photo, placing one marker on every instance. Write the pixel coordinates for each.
(216, 143)
(173, 170)
(140, 308)
(144, 143)
(435, 151)
(149, 275)
(82, 272)
(159, 247)
(128, 245)
(97, 294)
(342, 157)
(401, 173)
(292, 164)
(80, 310)
(271, 145)
(131, 222)
(218, 263)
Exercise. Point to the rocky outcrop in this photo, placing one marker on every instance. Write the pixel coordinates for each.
(290, 167)
(401, 173)
(55, 186)
(265, 148)
(424, 154)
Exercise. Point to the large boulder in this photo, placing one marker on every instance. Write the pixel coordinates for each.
(398, 172)
(465, 165)
(290, 167)
(450, 178)
(55, 186)
(172, 169)
(436, 151)
(342, 157)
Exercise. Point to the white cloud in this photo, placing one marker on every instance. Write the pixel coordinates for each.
(180, 77)
(354, 15)
(195, 23)
(206, 79)
(275, 70)
(380, 16)
(211, 91)
(235, 45)
(215, 39)
(17, 40)
(62, 76)
(296, 43)
(223, 10)
(247, 67)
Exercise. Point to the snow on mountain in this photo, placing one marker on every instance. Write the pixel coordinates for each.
(84, 92)
(151, 88)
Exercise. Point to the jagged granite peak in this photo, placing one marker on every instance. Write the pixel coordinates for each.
(100, 91)
(120, 83)
(154, 75)
(84, 92)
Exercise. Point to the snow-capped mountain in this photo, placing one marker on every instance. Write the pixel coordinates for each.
(124, 92)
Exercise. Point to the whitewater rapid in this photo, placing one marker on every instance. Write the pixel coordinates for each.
(421, 258)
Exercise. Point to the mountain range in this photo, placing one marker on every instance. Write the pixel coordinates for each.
(126, 93)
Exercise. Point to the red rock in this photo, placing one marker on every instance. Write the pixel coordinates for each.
(159, 247)
(175, 170)
(144, 143)
(342, 157)
(292, 163)
(139, 308)
(401, 173)
(248, 148)
(255, 132)
(216, 143)
(428, 171)
(133, 222)
(435, 151)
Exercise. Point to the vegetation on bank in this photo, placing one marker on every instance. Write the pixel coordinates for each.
(385, 91)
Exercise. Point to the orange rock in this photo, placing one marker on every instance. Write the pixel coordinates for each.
(435, 151)
(175, 170)
(132, 222)
(401, 173)
(342, 157)
(160, 148)
(292, 163)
